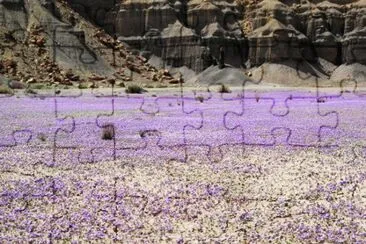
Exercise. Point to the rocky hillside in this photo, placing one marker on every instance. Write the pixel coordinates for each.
(137, 38)
(48, 42)
(268, 30)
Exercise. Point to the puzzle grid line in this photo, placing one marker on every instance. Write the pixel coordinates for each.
(126, 203)
(183, 97)
(155, 100)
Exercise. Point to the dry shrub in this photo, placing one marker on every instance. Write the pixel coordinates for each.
(135, 89)
(149, 133)
(224, 89)
(108, 132)
(200, 98)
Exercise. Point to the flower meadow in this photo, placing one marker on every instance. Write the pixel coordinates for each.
(203, 167)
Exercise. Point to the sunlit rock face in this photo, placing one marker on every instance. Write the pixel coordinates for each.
(182, 33)
(275, 42)
(354, 42)
(331, 30)
(191, 32)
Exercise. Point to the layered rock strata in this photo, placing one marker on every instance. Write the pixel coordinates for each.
(191, 32)
(182, 33)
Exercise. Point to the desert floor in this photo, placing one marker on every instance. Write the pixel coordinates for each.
(255, 182)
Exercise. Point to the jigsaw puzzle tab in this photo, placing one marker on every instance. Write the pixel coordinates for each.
(308, 125)
(169, 117)
(153, 150)
(87, 135)
(212, 137)
(349, 104)
(254, 121)
(26, 121)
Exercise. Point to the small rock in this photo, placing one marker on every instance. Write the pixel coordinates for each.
(31, 81)
(96, 78)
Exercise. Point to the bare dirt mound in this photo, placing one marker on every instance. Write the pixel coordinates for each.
(215, 75)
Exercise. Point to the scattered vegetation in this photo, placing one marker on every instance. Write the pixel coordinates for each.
(108, 132)
(321, 100)
(30, 91)
(161, 86)
(135, 89)
(224, 89)
(200, 98)
(257, 97)
(83, 86)
(42, 137)
(5, 90)
(149, 86)
(94, 86)
(37, 86)
(149, 133)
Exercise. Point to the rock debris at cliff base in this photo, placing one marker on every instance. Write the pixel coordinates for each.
(95, 42)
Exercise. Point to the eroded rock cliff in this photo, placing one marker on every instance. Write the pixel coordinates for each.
(333, 31)
(189, 34)
(42, 41)
(252, 32)
(183, 33)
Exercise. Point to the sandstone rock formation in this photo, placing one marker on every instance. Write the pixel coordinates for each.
(187, 33)
(329, 30)
(274, 30)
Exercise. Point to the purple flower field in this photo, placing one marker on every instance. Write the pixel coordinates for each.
(203, 167)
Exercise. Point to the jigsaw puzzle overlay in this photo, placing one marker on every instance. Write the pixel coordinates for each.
(101, 164)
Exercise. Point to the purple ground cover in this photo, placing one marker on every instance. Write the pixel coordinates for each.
(228, 168)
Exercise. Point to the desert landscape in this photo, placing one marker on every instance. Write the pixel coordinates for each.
(182, 121)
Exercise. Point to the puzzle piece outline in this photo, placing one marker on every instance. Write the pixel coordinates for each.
(342, 91)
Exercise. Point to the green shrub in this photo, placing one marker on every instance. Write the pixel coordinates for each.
(83, 86)
(224, 89)
(30, 91)
(37, 86)
(161, 86)
(5, 90)
(149, 86)
(135, 89)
